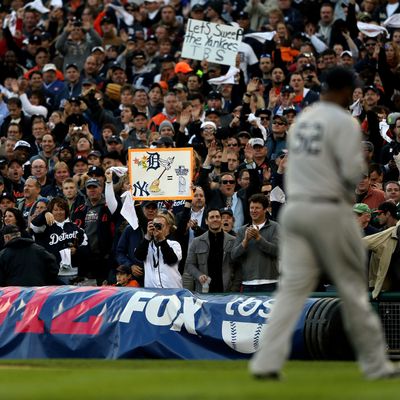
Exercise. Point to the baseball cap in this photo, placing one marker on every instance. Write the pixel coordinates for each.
(226, 210)
(183, 67)
(92, 182)
(94, 153)
(74, 100)
(147, 203)
(198, 7)
(22, 143)
(308, 67)
(152, 38)
(72, 65)
(214, 95)
(361, 208)
(115, 65)
(213, 111)
(66, 147)
(393, 117)
(138, 54)
(8, 196)
(106, 20)
(167, 58)
(3, 162)
(260, 111)
(35, 39)
(346, 53)
(256, 142)
(114, 139)
(98, 48)
(289, 110)
(242, 15)
(208, 123)
(387, 206)
(287, 89)
(95, 171)
(79, 158)
(180, 86)
(371, 87)
(49, 67)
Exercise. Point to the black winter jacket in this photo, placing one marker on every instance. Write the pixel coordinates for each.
(25, 263)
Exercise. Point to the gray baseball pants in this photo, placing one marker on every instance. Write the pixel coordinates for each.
(315, 238)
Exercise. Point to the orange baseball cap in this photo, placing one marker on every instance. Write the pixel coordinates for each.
(183, 67)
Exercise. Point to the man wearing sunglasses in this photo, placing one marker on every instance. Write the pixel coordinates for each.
(226, 195)
(276, 142)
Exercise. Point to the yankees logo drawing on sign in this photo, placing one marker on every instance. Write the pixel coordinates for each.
(161, 174)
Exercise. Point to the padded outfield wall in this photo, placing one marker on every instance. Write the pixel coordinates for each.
(114, 323)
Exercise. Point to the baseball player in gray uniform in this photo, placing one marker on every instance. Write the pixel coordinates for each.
(320, 233)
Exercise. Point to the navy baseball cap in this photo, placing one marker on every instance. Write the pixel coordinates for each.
(92, 182)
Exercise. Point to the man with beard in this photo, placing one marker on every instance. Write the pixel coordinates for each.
(277, 79)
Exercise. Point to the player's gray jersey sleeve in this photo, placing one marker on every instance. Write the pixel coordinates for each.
(348, 150)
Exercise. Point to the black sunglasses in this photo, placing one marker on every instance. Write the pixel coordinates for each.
(226, 182)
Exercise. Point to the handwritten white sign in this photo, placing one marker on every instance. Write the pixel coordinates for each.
(161, 174)
(216, 43)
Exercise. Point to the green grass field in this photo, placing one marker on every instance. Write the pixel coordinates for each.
(155, 379)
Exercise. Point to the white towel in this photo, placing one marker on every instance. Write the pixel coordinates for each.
(383, 128)
(56, 3)
(38, 6)
(252, 118)
(229, 77)
(65, 263)
(278, 195)
(262, 37)
(128, 210)
(119, 171)
(121, 13)
(392, 22)
(371, 30)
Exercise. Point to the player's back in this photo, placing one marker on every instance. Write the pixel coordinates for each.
(325, 158)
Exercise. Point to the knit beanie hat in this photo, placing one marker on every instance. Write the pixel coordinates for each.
(165, 124)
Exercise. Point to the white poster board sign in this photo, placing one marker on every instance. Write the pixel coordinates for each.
(216, 43)
(161, 174)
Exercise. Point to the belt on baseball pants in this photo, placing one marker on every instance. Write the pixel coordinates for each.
(317, 199)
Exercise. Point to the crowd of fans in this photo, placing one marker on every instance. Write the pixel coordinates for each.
(84, 81)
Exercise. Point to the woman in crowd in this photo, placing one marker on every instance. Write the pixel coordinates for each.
(62, 238)
(159, 254)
